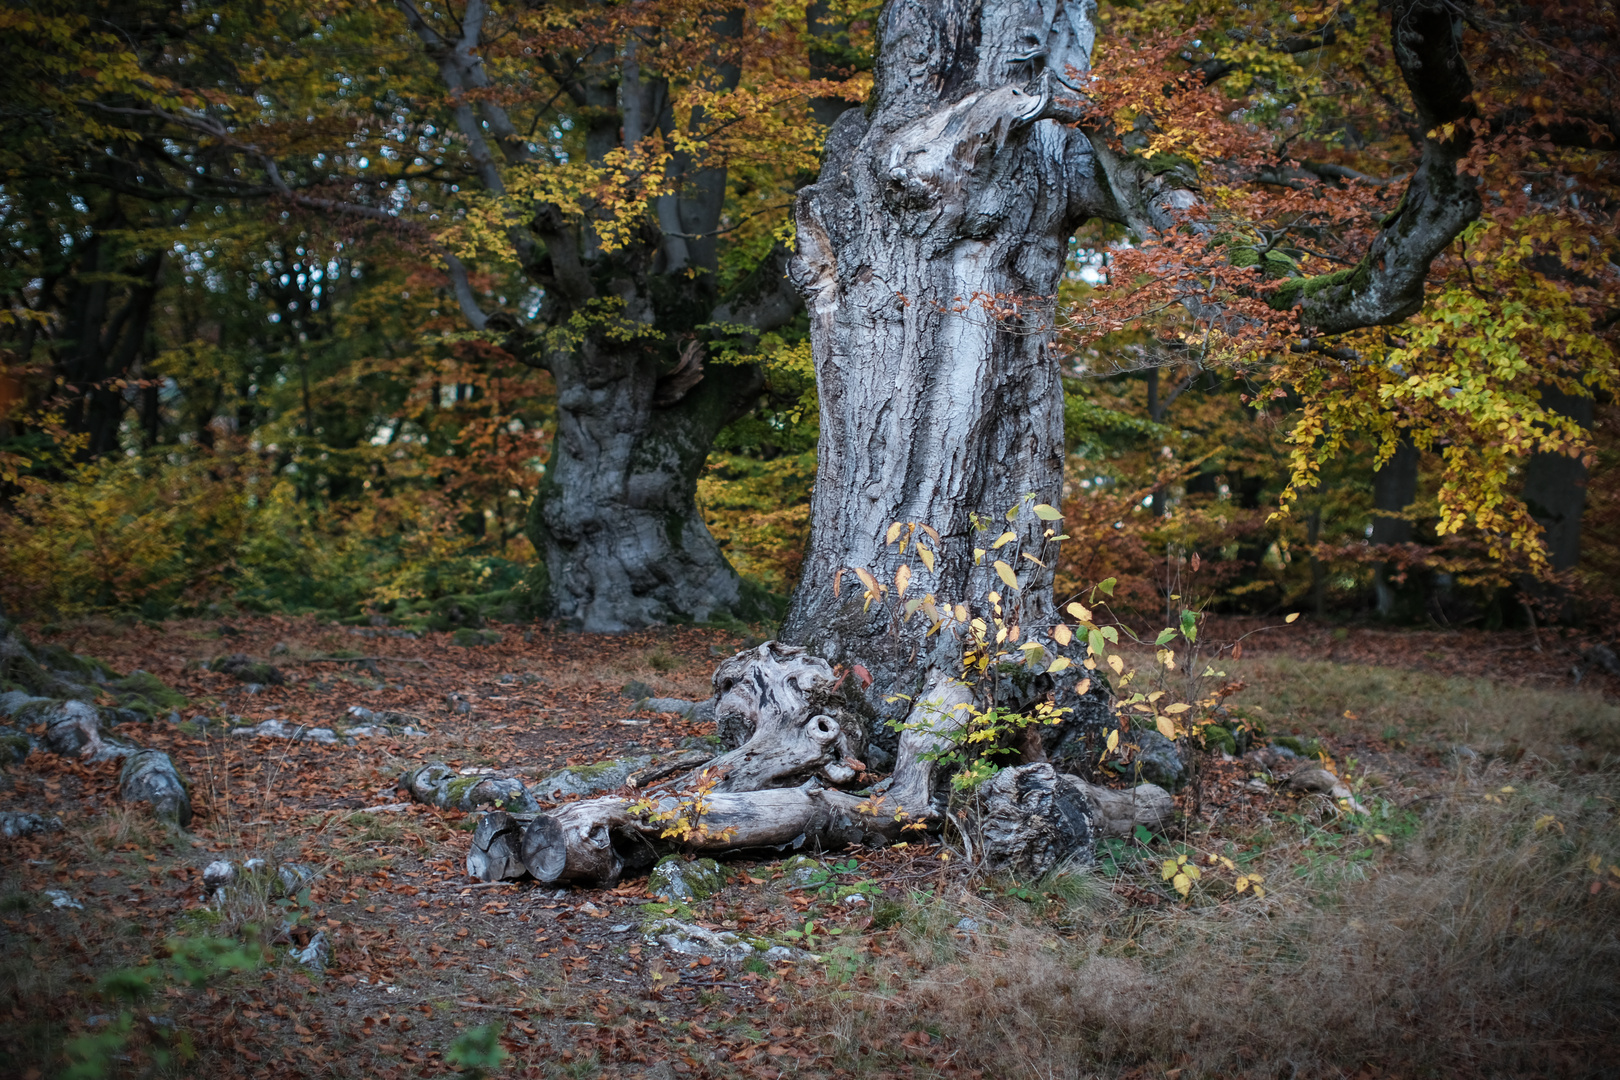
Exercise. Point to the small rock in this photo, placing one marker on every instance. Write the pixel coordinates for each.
(1322, 782)
(294, 877)
(60, 899)
(219, 873)
(14, 824)
(588, 908)
(619, 928)
(281, 729)
(469, 638)
(801, 870)
(245, 669)
(15, 701)
(317, 954)
(149, 776)
(1158, 758)
(676, 878)
(1258, 786)
(691, 940)
(854, 900)
(968, 926)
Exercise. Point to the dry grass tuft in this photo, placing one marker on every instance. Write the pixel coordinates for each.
(1473, 946)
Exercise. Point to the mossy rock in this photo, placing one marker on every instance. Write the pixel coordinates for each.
(801, 870)
(147, 694)
(469, 638)
(1304, 746)
(679, 878)
(1218, 738)
(71, 663)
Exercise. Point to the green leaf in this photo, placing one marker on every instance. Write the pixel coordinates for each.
(1189, 625)
(1111, 633)
(1107, 586)
(1094, 639)
(1164, 636)
(1047, 513)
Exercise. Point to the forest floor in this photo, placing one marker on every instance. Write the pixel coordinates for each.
(1464, 925)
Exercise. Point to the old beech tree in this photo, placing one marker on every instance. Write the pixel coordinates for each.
(929, 254)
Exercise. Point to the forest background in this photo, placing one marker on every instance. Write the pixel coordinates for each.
(237, 371)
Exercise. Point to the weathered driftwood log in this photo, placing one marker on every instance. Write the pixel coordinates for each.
(1116, 813)
(437, 784)
(592, 842)
(495, 852)
(150, 776)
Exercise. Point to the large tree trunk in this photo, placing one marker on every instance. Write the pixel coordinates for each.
(952, 194)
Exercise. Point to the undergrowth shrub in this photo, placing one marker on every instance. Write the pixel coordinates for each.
(172, 533)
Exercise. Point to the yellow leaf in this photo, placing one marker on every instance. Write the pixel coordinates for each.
(1116, 663)
(1005, 538)
(1005, 573)
(1083, 688)
(1079, 611)
(961, 613)
(1046, 512)
(1113, 740)
(1166, 728)
(869, 581)
(902, 579)
(926, 556)
(1183, 884)
(1062, 634)
(1058, 664)
(1032, 559)
(1177, 709)
(978, 556)
(1292, 617)
(1169, 869)
(893, 533)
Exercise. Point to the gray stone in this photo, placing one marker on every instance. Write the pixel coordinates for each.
(676, 878)
(317, 954)
(281, 729)
(1033, 821)
(801, 870)
(689, 939)
(149, 776)
(218, 874)
(60, 899)
(1158, 758)
(14, 824)
(15, 701)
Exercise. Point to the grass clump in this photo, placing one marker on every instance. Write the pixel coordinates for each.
(1478, 938)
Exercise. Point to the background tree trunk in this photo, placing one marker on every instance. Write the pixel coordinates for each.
(1394, 488)
(616, 519)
